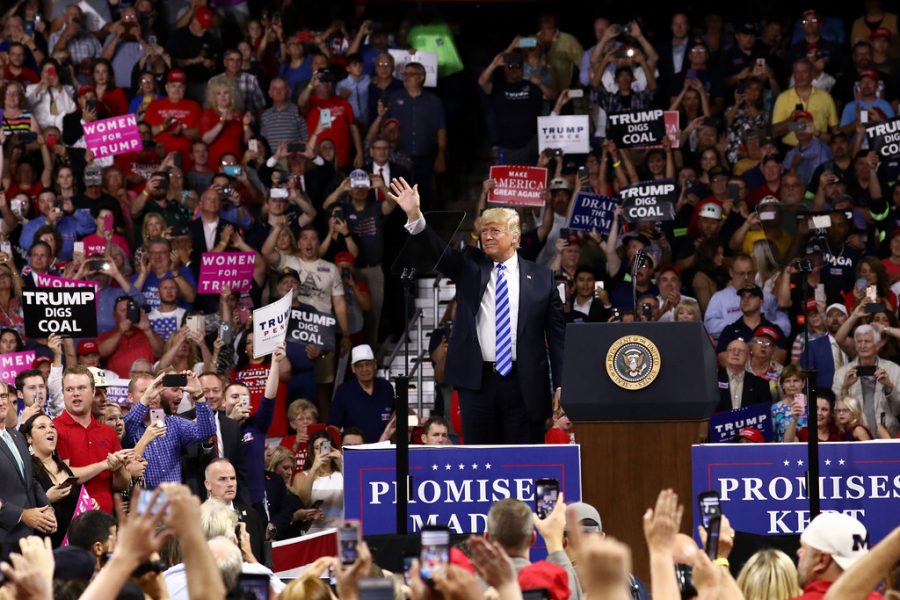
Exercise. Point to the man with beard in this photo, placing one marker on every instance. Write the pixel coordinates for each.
(173, 433)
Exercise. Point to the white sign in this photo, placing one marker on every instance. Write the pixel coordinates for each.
(270, 324)
(568, 132)
(429, 60)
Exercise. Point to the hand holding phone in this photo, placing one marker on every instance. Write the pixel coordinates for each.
(435, 553)
(711, 517)
(348, 538)
(546, 492)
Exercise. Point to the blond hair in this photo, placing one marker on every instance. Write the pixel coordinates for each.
(690, 306)
(855, 409)
(769, 574)
(217, 519)
(219, 84)
(507, 217)
(300, 406)
(278, 454)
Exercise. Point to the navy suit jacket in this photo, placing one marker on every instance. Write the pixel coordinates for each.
(17, 493)
(540, 331)
(819, 357)
(756, 391)
(195, 458)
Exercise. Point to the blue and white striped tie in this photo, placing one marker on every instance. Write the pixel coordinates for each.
(503, 341)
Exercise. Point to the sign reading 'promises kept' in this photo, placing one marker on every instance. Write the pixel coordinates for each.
(70, 312)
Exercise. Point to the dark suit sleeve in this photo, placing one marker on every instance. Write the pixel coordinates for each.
(451, 262)
(555, 332)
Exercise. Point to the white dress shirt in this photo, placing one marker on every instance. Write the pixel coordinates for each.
(209, 233)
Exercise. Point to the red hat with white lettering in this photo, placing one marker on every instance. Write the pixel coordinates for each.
(204, 16)
(870, 73)
(176, 76)
(343, 257)
(880, 33)
(768, 331)
(86, 347)
(752, 434)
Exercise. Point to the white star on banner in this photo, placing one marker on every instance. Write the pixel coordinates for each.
(799, 463)
(462, 467)
(827, 461)
(787, 463)
(474, 467)
(487, 466)
(448, 467)
(434, 467)
(841, 462)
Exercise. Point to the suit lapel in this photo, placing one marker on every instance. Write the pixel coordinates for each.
(8, 453)
(486, 265)
(525, 281)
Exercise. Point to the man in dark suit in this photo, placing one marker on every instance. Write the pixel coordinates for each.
(508, 316)
(737, 386)
(221, 484)
(226, 444)
(209, 233)
(673, 54)
(24, 507)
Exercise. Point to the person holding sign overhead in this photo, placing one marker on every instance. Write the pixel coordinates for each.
(509, 314)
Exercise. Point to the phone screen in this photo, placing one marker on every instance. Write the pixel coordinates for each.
(349, 539)
(157, 415)
(254, 585)
(545, 494)
(435, 553)
(143, 502)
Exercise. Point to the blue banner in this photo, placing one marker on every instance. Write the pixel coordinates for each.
(763, 486)
(724, 426)
(591, 212)
(452, 485)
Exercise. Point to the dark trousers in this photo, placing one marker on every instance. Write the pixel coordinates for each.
(496, 413)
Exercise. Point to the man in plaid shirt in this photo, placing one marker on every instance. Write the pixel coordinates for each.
(250, 94)
(163, 452)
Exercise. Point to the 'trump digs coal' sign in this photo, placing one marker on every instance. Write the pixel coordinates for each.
(649, 201)
(69, 312)
(637, 128)
(884, 138)
(308, 326)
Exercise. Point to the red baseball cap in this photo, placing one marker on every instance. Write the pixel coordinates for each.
(767, 330)
(204, 16)
(668, 268)
(343, 257)
(86, 347)
(872, 73)
(753, 434)
(545, 575)
(880, 32)
(176, 75)
(802, 114)
(86, 89)
(812, 305)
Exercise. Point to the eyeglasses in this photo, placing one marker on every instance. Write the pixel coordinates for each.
(763, 343)
(810, 21)
(841, 411)
(383, 64)
(513, 67)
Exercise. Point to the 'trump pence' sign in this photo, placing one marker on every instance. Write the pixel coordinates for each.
(591, 212)
(518, 186)
(221, 269)
(649, 201)
(70, 312)
(270, 324)
(570, 132)
(636, 128)
(111, 137)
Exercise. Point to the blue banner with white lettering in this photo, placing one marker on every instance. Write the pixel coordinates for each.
(724, 426)
(763, 486)
(591, 212)
(452, 485)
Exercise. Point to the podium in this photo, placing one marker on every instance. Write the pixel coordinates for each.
(639, 395)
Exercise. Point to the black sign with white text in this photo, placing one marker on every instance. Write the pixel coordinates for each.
(884, 138)
(67, 312)
(649, 201)
(308, 326)
(636, 128)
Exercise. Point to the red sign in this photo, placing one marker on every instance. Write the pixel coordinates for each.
(518, 186)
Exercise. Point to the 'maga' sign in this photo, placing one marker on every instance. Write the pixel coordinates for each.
(637, 128)
(649, 201)
(69, 312)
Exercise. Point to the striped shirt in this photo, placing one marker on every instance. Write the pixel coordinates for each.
(285, 125)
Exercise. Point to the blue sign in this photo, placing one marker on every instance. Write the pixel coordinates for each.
(763, 486)
(591, 212)
(724, 426)
(452, 485)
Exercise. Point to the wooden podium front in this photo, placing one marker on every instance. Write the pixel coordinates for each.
(625, 465)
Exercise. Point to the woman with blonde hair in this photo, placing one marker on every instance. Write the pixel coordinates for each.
(849, 417)
(769, 575)
(688, 310)
(223, 128)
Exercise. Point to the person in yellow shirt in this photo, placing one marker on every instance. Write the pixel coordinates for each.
(563, 51)
(803, 96)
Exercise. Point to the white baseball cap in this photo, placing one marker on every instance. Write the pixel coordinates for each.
(99, 376)
(361, 352)
(839, 535)
(711, 210)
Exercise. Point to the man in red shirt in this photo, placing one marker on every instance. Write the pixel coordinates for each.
(830, 545)
(90, 448)
(128, 341)
(174, 119)
(318, 103)
(16, 69)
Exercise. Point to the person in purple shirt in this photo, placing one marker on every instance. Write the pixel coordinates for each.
(254, 427)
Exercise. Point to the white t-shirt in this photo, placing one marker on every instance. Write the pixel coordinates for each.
(320, 280)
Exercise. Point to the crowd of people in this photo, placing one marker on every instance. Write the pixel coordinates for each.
(315, 150)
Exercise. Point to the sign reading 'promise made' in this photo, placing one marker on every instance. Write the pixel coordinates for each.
(68, 312)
